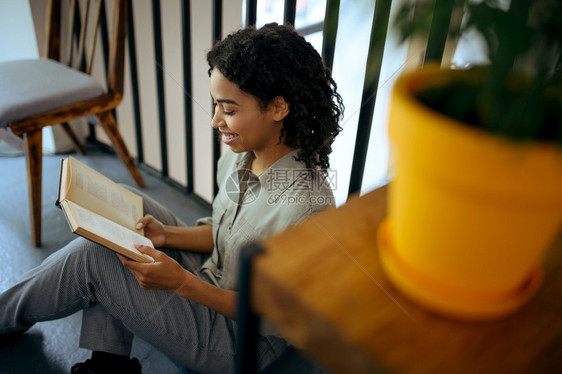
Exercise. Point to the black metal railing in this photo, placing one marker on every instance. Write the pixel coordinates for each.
(329, 27)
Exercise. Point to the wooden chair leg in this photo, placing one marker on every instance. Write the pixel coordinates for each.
(34, 161)
(110, 128)
(73, 138)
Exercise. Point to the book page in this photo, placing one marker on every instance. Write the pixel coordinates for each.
(94, 191)
(104, 231)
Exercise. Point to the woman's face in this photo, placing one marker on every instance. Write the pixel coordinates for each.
(241, 123)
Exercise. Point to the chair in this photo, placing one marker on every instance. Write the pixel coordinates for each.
(44, 92)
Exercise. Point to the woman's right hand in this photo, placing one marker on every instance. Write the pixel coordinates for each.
(153, 230)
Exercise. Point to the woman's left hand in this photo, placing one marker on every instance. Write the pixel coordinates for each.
(162, 274)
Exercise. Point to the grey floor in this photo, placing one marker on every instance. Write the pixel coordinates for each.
(52, 347)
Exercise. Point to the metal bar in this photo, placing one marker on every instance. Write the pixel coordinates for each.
(159, 62)
(290, 12)
(248, 320)
(368, 99)
(134, 80)
(217, 20)
(330, 32)
(187, 86)
(217, 35)
(251, 12)
(439, 30)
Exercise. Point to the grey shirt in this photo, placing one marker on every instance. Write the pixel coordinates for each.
(248, 208)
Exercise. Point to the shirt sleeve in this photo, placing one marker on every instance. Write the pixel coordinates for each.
(204, 221)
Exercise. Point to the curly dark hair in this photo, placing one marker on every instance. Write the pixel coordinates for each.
(276, 61)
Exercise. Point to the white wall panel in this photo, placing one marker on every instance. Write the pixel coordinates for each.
(147, 82)
(125, 115)
(173, 89)
(201, 30)
(231, 22)
(17, 37)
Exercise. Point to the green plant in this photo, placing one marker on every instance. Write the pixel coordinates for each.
(519, 94)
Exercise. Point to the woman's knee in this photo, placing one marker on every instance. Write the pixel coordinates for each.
(89, 253)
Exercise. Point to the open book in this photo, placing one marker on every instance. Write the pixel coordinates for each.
(101, 210)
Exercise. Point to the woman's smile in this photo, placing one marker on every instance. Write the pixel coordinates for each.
(228, 137)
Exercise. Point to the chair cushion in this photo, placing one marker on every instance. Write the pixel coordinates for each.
(29, 87)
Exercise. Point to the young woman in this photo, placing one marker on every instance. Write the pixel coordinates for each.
(277, 108)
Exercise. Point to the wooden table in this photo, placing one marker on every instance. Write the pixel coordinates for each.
(321, 284)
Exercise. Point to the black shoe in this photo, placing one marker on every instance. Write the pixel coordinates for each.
(9, 338)
(89, 366)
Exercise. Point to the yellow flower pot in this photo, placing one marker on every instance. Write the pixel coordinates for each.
(470, 214)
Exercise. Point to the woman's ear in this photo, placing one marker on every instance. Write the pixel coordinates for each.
(280, 108)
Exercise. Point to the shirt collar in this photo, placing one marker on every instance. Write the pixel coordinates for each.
(284, 174)
(288, 162)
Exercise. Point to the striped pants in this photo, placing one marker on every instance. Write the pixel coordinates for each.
(85, 276)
